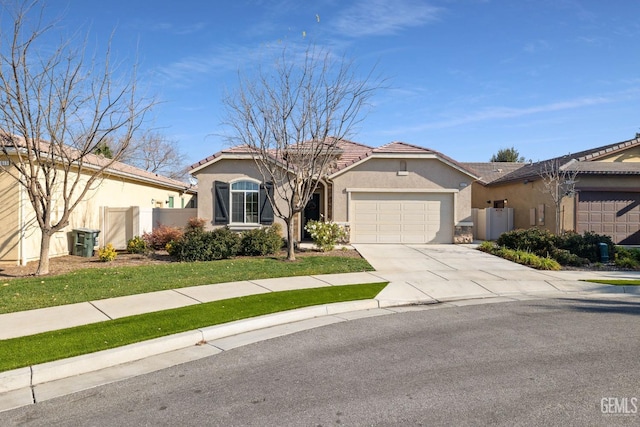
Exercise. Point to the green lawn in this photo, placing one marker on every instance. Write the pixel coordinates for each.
(99, 283)
(54, 345)
(616, 282)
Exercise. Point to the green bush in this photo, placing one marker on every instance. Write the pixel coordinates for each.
(546, 263)
(325, 235)
(137, 245)
(538, 241)
(261, 241)
(627, 257)
(585, 245)
(220, 243)
(626, 263)
(487, 246)
(565, 257)
(569, 248)
(525, 258)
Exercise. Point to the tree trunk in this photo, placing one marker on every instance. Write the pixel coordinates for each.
(291, 254)
(43, 263)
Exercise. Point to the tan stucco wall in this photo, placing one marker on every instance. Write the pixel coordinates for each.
(112, 192)
(225, 171)
(630, 155)
(522, 198)
(422, 174)
(9, 202)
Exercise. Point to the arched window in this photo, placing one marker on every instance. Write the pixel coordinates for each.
(244, 202)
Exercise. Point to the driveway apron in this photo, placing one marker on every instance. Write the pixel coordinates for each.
(433, 273)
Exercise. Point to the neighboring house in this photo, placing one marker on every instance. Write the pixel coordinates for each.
(397, 193)
(606, 199)
(117, 206)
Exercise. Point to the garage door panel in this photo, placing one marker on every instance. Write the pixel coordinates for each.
(414, 218)
(402, 218)
(389, 217)
(384, 207)
(390, 228)
(414, 228)
(366, 218)
(414, 207)
(614, 213)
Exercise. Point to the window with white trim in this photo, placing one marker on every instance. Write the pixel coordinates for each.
(244, 202)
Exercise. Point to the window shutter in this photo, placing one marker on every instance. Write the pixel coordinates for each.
(221, 203)
(266, 210)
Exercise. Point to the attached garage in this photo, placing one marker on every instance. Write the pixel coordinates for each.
(402, 217)
(614, 213)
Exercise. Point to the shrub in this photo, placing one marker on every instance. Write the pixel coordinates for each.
(539, 241)
(195, 225)
(569, 248)
(525, 258)
(626, 263)
(161, 235)
(627, 258)
(137, 245)
(487, 246)
(546, 263)
(586, 245)
(107, 253)
(565, 257)
(261, 241)
(220, 243)
(325, 235)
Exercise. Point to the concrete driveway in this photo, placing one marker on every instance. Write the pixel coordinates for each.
(436, 273)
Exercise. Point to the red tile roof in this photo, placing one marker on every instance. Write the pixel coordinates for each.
(350, 153)
(116, 168)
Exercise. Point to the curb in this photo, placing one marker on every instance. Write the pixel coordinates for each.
(18, 386)
(31, 376)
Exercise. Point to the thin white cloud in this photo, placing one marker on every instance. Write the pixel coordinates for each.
(501, 113)
(190, 68)
(180, 30)
(383, 17)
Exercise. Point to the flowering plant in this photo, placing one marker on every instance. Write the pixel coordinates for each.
(325, 235)
(107, 254)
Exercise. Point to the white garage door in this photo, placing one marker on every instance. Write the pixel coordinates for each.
(402, 217)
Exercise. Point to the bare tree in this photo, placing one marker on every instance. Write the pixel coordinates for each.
(559, 181)
(56, 109)
(153, 152)
(292, 117)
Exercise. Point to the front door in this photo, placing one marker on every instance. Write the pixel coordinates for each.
(311, 212)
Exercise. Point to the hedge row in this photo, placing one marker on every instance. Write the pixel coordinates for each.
(568, 248)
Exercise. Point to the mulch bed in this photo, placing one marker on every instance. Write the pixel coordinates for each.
(69, 263)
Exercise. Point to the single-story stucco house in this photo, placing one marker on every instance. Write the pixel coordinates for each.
(606, 197)
(397, 193)
(124, 201)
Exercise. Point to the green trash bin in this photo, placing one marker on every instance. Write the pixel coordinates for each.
(84, 239)
(604, 252)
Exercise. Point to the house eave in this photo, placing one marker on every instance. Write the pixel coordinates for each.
(403, 156)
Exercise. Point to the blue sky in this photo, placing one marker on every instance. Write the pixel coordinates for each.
(466, 77)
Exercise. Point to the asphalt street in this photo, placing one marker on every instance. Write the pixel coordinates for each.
(537, 362)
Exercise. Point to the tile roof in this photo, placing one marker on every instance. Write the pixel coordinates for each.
(116, 168)
(402, 148)
(350, 153)
(586, 162)
(490, 171)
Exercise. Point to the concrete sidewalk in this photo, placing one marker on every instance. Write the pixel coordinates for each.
(418, 275)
